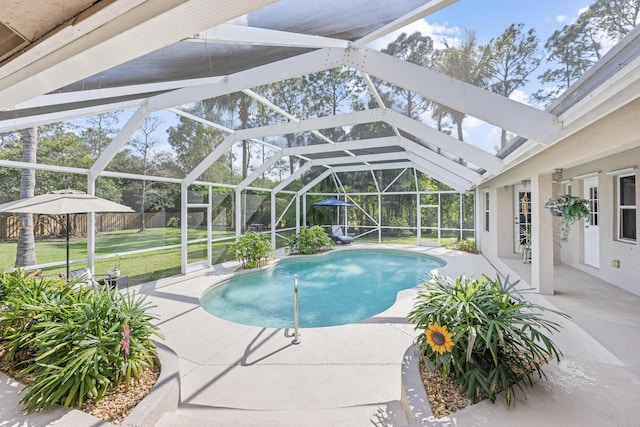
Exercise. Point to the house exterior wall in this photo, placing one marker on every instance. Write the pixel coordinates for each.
(610, 144)
(611, 249)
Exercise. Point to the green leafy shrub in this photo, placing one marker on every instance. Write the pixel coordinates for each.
(253, 249)
(309, 241)
(400, 232)
(73, 344)
(466, 245)
(483, 333)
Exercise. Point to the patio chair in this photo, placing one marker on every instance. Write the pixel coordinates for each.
(338, 236)
(82, 277)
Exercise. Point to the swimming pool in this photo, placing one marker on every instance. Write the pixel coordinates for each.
(334, 289)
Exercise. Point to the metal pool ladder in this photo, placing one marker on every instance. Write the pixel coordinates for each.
(296, 333)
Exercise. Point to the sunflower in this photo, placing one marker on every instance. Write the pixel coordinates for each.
(439, 338)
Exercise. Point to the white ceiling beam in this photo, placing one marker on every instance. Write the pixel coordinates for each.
(458, 185)
(141, 30)
(42, 167)
(295, 175)
(374, 91)
(281, 70)
(319, 148)
(264, 101)
(217, 126)
(409, 18)
(55, 99)
(9, 125)
(314, 182)
(441, 161)
(377, 166)
(325, 122)
(495, 109)
(259, 171)
(439, 172)
(360, 144)
(449, 144)
(400, 155)
(241, 34)
(210, 159)
(118, 142)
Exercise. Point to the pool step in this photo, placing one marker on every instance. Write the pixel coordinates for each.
(388, 414)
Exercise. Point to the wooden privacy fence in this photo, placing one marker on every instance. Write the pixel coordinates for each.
(53, 225)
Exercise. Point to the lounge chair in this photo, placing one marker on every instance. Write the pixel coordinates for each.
(338, 236)
(82, 277)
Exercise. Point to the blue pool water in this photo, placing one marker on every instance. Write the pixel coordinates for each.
(334, 289)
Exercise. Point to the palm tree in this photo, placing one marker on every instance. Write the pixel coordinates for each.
(467, 62)
(26, 250)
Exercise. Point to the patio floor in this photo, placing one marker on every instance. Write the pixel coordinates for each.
(236, 375)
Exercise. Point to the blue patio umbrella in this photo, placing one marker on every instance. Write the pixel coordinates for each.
(332, 201)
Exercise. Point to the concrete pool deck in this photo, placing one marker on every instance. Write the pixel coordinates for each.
(236, 375)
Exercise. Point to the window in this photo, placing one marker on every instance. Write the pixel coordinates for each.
(627, 207)
(486, 211)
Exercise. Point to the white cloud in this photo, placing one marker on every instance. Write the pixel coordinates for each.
(561, 19)
(520, 96)
(437, 32)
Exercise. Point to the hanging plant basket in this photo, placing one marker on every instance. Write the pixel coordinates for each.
(570, 208)
(555, 212)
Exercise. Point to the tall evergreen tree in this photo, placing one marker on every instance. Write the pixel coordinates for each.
(144, 144)
(572, 50)
(573, 57)
(417, 49)
(615, 18)
(468, 62)
(517, 56)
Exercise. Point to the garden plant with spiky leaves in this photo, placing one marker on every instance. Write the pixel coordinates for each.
(485, 333)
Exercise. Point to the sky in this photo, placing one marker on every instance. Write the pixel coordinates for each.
(489, 18)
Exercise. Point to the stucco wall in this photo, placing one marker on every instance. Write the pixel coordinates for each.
(611, 143)
(628, 254)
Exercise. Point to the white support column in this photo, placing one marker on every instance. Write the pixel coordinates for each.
(418, 219)
(239, 207)
(297, 214)
(273, 219)
(379, 217)
(209, 227)
(91, 227)
(541, 235)
(184, 198)
(304, 209)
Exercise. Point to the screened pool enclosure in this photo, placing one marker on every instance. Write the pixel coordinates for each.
(242, 116)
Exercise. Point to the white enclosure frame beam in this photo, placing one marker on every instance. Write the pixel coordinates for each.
(90, 45)
(442, 162)
(242, 34)
(505, 113)
(287, 68)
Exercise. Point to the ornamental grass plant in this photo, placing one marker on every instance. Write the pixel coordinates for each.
(484, 334)
(72, 344)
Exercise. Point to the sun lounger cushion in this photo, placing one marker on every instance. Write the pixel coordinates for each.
(338, 236)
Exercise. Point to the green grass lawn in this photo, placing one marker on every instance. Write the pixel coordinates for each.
(408, 240)
(140, 267)
(149, 266)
